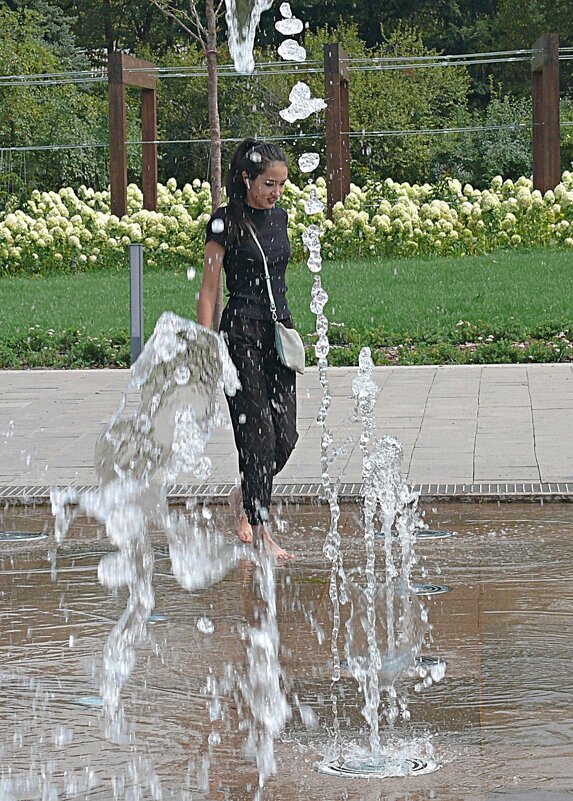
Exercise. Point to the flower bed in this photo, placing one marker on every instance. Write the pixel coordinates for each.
(72, 231)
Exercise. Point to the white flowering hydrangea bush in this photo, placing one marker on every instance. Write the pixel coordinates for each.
(76, 231)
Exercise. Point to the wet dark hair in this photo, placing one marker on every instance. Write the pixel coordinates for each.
(253, 158)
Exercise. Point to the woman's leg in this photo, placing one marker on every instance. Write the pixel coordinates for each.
(241, 525)
(253, 426)
(282, 392)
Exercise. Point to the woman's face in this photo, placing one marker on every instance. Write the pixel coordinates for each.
(264, 190)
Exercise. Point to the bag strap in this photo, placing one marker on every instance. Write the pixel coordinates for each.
(267, 276)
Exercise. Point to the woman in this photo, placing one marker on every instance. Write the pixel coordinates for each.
(263, 412)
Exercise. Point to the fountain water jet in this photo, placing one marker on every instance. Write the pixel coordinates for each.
(387, 624)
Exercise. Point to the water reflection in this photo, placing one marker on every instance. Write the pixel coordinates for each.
(501, 718)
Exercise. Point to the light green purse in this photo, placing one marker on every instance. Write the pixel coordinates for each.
(288, 342)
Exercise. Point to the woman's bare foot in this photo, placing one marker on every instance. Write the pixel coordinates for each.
(241, 525)
(270, 545)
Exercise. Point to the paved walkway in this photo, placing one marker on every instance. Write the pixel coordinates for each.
(464, 427)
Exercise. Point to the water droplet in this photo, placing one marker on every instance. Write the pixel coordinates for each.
(308, 162)
(285, 10)
(205, 625)
(314, 262)
(255, 156)
(63, 736)
(319, 301)
(311, 238)
(242, 418)
(313, 205)
(191, 273)
(322, 347)
(181, 375)
(302, 103)
(289, 27)
(217, 226)
(291, 51)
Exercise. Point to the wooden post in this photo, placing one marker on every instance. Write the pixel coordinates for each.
(336, 77)
(117, 136)
(545, 101)
(149, 148)
(125, 71)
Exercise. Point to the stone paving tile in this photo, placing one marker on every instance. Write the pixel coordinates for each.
(457, 424)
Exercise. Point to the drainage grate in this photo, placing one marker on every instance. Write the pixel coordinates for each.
(429, 661)
(89, 700)
(22, 536)
(430, 589)
(432, 534)
(382, 767)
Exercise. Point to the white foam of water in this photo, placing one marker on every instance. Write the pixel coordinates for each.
(313, 205)
(205, 625)
(290, 26)
(302, 104)
(289, 50)
(242, 21)
(261, 686)
(308, 162)
(314, 262)
(311, 238)
(387, 624)
(176, 380)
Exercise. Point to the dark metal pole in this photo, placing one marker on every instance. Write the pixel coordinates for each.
(136, 299)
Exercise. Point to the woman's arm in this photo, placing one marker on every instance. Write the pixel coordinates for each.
(214, 254)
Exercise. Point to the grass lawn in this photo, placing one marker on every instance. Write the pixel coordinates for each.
(417, 297)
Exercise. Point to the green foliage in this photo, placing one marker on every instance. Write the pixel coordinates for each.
(498, 142)
(46, 115)
(77, 349)
(396, 100)
(68, 349)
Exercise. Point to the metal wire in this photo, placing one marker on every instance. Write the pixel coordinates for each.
(522, 52)
(428, 65)
(286, 138)
(410, 132)
(134, 143)
(356, 64)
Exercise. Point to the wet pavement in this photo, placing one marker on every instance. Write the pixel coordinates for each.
(460, 426)
(498, 725)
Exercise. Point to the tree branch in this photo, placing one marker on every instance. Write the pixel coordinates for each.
(198, 34)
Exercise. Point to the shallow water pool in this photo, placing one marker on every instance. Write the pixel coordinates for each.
(500, 724)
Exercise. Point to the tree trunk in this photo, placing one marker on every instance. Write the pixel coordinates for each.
(215, 127)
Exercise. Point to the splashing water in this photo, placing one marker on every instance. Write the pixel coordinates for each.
(143, 448)
(290, 50)
(308, 162)
(242, 17)
(387, 624)
(302, 103)
(313, 205)
(289, 27)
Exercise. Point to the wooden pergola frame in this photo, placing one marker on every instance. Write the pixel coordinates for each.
(545, 101)
(124, 70)
(336, 80)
